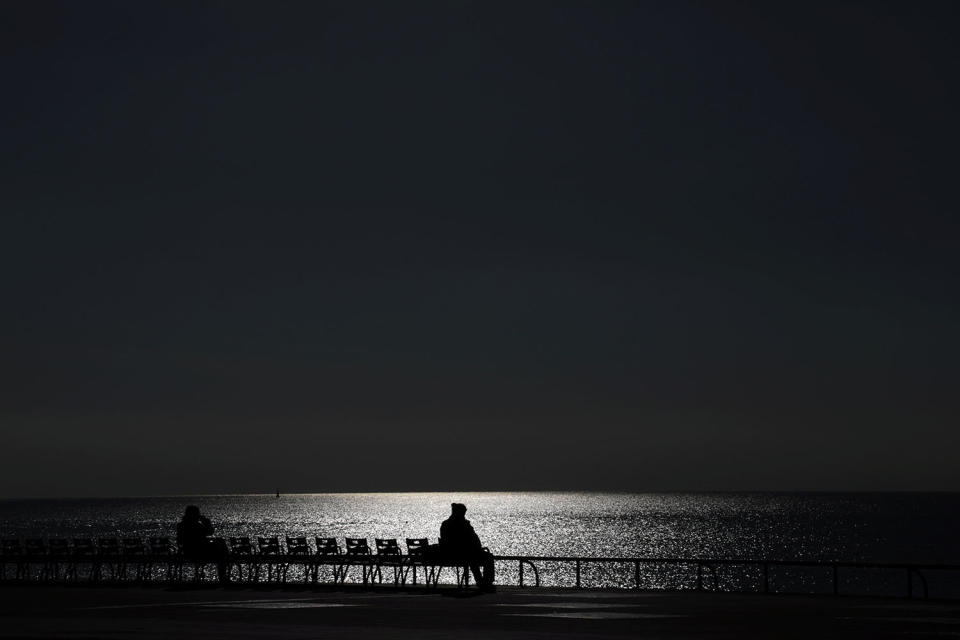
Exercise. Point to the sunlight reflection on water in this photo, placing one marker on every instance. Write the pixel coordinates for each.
(795, 526)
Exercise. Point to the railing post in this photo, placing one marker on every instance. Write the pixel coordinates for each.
(578, 574)
(836, 582)
(766, 578)
(699, 576)
(909, 583)
(636, 574)
(521, 573)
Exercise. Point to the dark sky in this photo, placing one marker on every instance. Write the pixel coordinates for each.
(457, 245)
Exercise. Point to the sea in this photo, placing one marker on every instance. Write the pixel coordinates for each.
(920, 528)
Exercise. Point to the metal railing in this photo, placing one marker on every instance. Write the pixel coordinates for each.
(578, 572)
(706, 574)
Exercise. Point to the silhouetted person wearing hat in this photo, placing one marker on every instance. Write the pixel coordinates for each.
(459, 542)
(192, 532)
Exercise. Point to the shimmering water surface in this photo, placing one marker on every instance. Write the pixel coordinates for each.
(902, 527)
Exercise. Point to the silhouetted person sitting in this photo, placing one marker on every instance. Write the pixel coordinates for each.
(460, 543)
(192, 536)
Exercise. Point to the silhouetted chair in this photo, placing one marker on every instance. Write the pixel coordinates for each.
(434, 560)
(162, 551)
(268, 553)
(388, 555)
(198, 562)
(241, 555)
(134, 552)
(417, 558)
(83, 552)
(108, 555)
(12, 551)
(358, 555)
(36, 551)
(59, 558)
(36, 547)
(328, 554)
(298, 549)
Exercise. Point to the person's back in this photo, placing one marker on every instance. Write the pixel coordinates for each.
(192, 532)
(458, 537)
(192, 536)
(460, 543)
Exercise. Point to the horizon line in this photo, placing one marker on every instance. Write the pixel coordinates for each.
(273, 494)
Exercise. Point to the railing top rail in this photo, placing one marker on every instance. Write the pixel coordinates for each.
(118, 551)
(735, 561)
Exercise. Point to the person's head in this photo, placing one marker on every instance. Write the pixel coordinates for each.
(192, 513)
(458, 510)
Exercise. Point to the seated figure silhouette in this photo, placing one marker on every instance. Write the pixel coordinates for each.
(460, 543)
(192, 536)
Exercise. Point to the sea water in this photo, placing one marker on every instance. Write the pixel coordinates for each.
(878, 527)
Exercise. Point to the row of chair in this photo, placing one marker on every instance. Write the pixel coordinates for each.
(327, 552)
(238, 545)
(57, 557)
(86, 546)
(270, 558)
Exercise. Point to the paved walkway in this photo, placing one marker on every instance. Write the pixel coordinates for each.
(209, 612)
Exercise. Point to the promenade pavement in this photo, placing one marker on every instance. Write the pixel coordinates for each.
(208, 612)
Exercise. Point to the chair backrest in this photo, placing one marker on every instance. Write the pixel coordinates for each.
(327, 547)
(298, 546)
(417, 546)
(161, 546)
(241, 546)
(59, 546)
(36, 546)
(12, 547)
(357, 547)
(387, 547)
(108, 546)
(269, 546)
(133, 546)
(84, 547)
